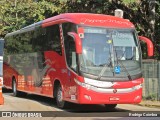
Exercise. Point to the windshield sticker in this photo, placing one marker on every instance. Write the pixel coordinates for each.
(122, 35)
(123, 38)
(117, 69)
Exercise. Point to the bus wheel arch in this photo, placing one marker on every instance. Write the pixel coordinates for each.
(55, 85)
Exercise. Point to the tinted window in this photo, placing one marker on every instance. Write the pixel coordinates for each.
(68, 27)
(70, 50)
(47, 39)
(36, 40)
(39, 40)
(18, 43)
(53, 38)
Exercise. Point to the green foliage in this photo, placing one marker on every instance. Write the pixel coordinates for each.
(157, 30)
(129, 1)
(83, 6)
(16, 14)
(150, 97)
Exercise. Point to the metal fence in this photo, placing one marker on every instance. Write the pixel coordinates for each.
(151, 74)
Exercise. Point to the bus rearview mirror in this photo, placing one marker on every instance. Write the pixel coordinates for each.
(149, 45)
(78, 42)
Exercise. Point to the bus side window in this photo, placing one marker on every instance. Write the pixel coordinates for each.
(70, 52)
(53, 38)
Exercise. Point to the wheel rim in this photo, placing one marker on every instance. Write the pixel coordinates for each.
(59, 95)
(14, 87)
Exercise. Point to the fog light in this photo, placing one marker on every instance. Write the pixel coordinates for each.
(87, 97)
(137, 98)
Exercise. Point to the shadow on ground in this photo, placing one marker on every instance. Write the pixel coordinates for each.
(72, 108)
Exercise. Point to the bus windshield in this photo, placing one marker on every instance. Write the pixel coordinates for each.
(106, 47)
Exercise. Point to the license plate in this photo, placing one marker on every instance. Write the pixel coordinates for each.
(114, 99)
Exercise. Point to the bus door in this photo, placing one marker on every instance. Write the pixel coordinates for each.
(70, 51)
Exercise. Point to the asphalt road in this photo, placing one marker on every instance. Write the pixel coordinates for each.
(37, 104)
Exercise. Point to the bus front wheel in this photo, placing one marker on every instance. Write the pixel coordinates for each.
(59, 98)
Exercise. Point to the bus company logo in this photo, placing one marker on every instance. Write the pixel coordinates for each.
(85, 20)
(114, 90)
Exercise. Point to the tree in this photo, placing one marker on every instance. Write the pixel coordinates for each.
(157, 30)
(16, 14)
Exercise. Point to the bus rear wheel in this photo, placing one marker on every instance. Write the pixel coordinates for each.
(14, 88)
(59, 98)
(110, 106)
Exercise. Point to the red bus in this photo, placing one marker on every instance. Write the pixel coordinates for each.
(77, 57)
(1, 71)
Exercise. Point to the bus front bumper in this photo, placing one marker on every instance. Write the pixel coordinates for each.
(92, 97)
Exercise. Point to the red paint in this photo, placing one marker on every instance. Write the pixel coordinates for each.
(103, 98)
(127, 84)
(80, 30)
(89, 19)
(149, 45)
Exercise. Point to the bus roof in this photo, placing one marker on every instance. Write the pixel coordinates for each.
(88, 19)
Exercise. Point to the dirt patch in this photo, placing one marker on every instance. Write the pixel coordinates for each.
(150, 103)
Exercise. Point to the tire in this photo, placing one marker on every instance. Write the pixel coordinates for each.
(14, 88)
(59, 98)
(17, 93)
(110, 106)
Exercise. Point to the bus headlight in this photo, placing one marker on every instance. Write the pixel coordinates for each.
(87, 86)
(138, 86)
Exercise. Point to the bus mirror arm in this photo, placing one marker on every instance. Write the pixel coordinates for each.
(78, 42)
(149, 45)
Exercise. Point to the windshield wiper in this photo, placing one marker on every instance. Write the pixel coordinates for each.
(102, 64)
(128, 75)
(110, 60)
(119, 61)
(104, 69)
